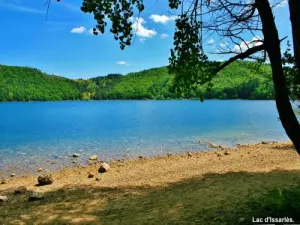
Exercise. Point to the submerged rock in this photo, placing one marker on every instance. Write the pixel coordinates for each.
(13, 174)
(76, 155)
(104, 167)
(212, 145)
(21, 190)
(45, 179)
(93, 157)
(35, 196)
(40, 169)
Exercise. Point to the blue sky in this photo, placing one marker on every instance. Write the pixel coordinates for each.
(63, 44)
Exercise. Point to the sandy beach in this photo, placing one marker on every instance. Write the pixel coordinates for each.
(161, 171)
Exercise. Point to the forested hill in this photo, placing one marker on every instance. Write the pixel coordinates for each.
(241, 80)
(28, 84)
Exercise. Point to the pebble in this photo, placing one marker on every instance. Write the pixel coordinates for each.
(40, 169)
(189, 154)
(21, 190)
(75, 155)
(90, 175)
(3, 181)
(36, 196)
(140, 157)
(104, 167)
(219, 154)
(93, 157)
(25, 217)
(226, 153)
(97, 179)
(13, 174)
(3, 199)
(45, 180)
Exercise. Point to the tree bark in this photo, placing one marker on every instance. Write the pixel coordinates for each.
(272, 45)
(294, 6)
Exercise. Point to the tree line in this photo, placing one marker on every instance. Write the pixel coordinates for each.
(241, 80)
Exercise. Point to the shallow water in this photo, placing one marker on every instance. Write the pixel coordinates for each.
(46, 134)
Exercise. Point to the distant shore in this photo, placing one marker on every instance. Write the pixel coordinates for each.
(161, 170)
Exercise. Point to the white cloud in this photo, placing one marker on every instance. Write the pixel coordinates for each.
(223, 45)
(142, 31)
(211, 41)
(247, 44)
(122, 63)
(78, 30)
(162, 18)
(163, 36)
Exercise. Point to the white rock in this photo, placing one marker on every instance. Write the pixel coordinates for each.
(104, 167)
(3, 199)
(75, 155)
(93, 157)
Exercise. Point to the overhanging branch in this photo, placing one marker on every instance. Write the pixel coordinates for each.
(243, 55)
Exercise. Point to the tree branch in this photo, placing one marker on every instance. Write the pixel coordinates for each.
(243, 55)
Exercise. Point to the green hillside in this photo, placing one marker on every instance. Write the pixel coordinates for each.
(241, 80)
(28, 84)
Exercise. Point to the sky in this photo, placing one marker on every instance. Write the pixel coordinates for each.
(63, 44)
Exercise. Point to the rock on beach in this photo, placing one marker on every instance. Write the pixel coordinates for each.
(104, 167)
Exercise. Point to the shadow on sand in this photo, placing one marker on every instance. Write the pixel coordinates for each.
(231, 198)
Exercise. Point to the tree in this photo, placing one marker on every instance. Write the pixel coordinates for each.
(294, 6)
(231, 20)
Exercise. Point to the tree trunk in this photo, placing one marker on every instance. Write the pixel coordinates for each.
(272, 44)
(295, 21)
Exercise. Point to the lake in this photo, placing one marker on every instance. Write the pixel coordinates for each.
(46, 134)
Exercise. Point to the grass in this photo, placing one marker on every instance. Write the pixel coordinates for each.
(231, 198)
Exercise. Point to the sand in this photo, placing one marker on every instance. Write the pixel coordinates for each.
(163, 170)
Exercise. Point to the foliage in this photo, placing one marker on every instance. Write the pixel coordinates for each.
(28, 84)
(292, 73)
(241, 80)
(119, 12)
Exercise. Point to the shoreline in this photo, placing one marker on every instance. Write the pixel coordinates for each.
(170, 168)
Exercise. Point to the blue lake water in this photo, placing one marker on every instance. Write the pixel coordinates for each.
(38, 134)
